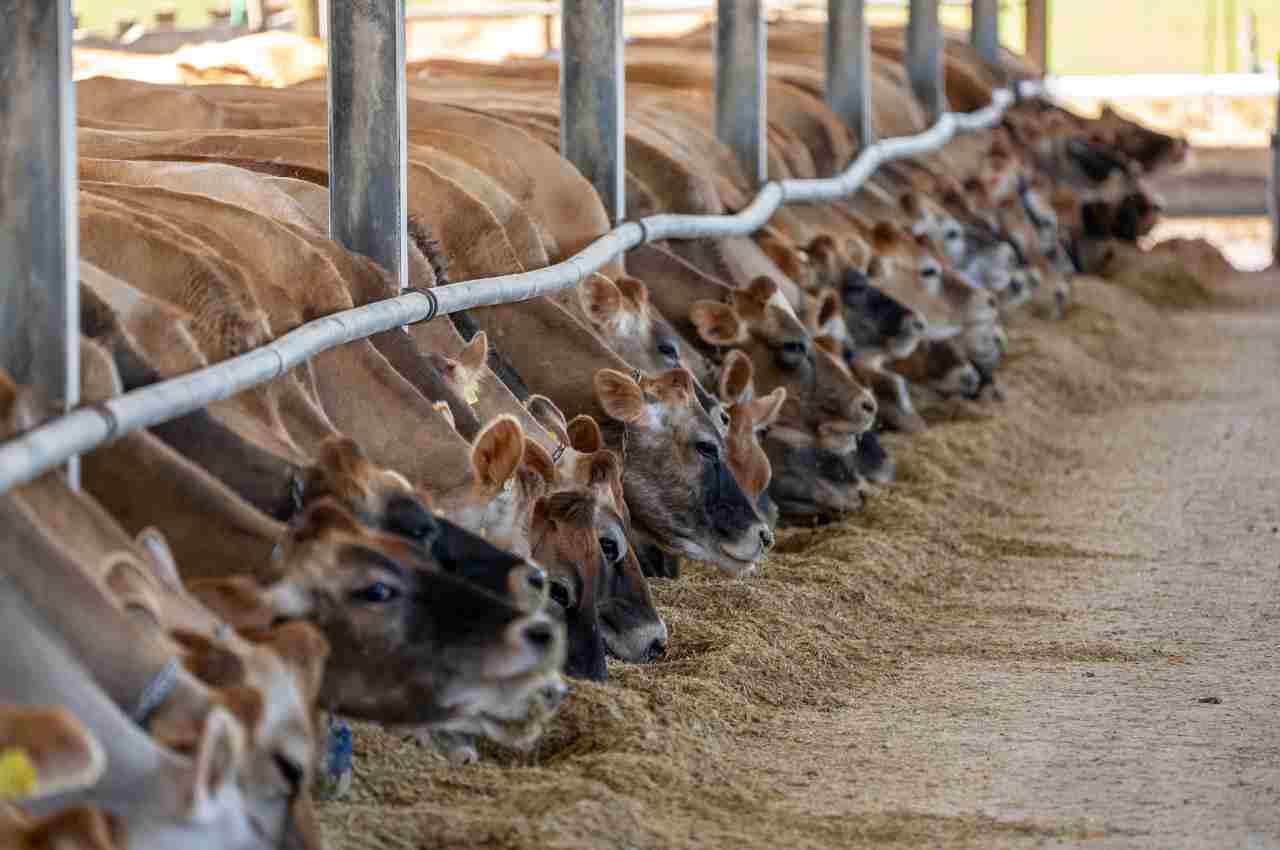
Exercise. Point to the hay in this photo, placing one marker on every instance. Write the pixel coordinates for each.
(676, 754)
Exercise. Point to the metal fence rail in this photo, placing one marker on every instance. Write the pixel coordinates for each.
(45, 447)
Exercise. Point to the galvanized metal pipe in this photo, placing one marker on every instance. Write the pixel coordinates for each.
(39, 450)
(367, 155)
(591, 97)
(740, 84)
(924, 57)
(849, 66)
(39, 225)
(984, 30)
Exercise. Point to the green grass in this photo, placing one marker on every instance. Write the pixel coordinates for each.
(1086, 36)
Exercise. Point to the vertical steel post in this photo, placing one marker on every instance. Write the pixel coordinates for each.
(1275, 184)
(924, 56)
(39, 225)
(591, 97)
(1037, 23)
(984, 30)
(849, 66)
(740, 84)
(367, 152)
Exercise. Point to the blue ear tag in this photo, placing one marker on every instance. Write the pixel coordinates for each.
(334, 779)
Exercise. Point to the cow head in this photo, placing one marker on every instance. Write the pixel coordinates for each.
(678, 485)
(416, 634)
(784, 353)
(749, 421)
(623, 317)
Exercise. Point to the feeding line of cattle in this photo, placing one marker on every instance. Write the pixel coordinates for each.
(430, 524)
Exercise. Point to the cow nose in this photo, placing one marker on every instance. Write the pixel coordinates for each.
(540, 635)
(554, 694)
(766, 539)
(868, 406)
(657, 649)
(915, 324)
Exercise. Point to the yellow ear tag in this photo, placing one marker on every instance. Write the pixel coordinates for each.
(18, 776)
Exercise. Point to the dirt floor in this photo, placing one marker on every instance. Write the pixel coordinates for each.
(1058, 629)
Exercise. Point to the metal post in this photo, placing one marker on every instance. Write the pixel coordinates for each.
(740, 84)
(39, 224)
(591, 97)
(1275, 184)
(984, 30)
(1037, 22)
(924, 56)
(367, 153)
(849, 66)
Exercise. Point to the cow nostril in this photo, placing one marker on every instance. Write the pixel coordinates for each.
(539, 635)
(657, 649)
(553, 695)
(766, 538)
(868, 406)
(916, 324)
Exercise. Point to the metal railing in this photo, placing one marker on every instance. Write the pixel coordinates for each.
(367, 180)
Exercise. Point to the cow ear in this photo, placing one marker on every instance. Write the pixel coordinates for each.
(216, 762)
(52, 752)
(237, 599)
(620, 397)
(131, 585)
(473, 356)
(783, 255)
(600, 298)
(550, 417)
(829, 309)
(736, 378)
(884, 237)
(339, 461)
(537, 460)
(909, 203)
(764, 411)
(717, 324)
(160, 557)
(321, 518)
(604, 468)
(304, 650)
(758, 294)
(585, 435)
(497, 453)
(673, 387)
(207, 661)
(859, 253)
(634, 292)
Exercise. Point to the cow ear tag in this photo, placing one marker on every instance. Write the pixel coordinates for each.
(18, 775)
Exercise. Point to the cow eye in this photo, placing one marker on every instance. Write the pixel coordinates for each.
(560, 594)
(669, 351)
(609, 547)
(290, 771)
(762, 432)
(930, 271)
(375, 593)
(793, 349)
(708, 450)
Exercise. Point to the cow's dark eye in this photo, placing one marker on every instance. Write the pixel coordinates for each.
(930, 271)
(375, 593)
(669, 351)
(762, 432)
(560, 594)
(708, 450)
(793, 349)
(609, 548)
